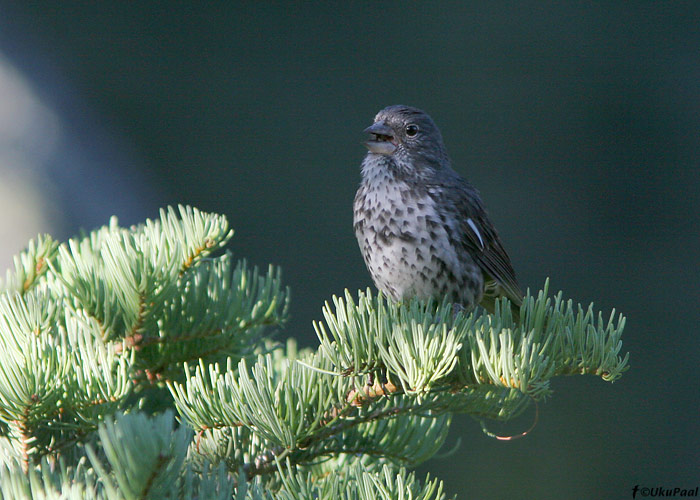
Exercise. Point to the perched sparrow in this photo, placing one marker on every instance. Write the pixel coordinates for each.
(422, 229)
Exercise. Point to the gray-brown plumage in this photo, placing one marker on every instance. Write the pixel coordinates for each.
(422, 229)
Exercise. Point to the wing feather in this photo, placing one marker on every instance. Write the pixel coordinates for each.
(480, 238)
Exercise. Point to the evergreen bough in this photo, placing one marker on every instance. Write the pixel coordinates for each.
(103, 337)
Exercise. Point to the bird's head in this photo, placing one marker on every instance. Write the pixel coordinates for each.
(407, 134)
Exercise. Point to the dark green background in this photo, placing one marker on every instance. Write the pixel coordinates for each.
(579, 122)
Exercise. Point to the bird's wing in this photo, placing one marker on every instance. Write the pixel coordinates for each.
(481, 239)
(492, 258)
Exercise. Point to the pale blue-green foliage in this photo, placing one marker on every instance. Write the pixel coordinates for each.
(233, 446)
(30, 265)
(85, 324)
(143, 453)
(422, 344)
(55, 376)
(145, 458)
(408, 437)
(138, 458)
(301, 406)
(282, 405)
(356, 482)
(554, 337)
(51, 482)
(415, 343)
(221, 306)
(427, 361)
(89, 327)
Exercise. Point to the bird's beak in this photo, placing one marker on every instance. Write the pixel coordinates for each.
(383, 141)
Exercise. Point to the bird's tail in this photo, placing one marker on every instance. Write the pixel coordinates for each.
(493, 293)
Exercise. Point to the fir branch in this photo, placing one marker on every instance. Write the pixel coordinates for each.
(301, 408)
(358, 482)
(92, 325)
(145, 455)
(31, 265)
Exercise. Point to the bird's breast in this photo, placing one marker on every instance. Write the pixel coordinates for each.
(404, 239)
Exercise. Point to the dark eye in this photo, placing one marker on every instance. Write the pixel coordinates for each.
(411, 130)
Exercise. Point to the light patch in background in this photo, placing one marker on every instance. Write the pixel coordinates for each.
(29, 134)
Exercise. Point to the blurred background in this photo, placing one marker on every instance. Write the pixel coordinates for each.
(579, 123)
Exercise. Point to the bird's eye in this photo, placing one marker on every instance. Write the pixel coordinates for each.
(411, 130)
